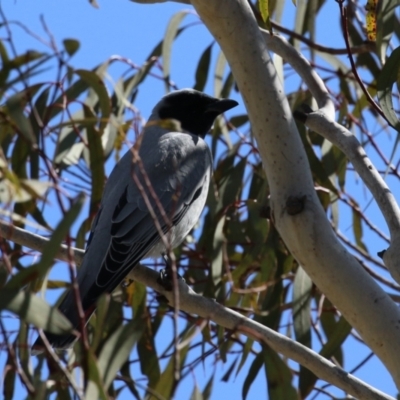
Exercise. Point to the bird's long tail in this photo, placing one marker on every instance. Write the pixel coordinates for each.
(69, 308)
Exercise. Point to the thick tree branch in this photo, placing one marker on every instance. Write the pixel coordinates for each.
(300, 64)
(206, 308)
(322, 122)
(308, 233)
(36, 242)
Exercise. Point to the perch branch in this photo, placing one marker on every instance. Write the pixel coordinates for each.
(206, 308)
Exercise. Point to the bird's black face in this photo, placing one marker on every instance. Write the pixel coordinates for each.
(195, 110)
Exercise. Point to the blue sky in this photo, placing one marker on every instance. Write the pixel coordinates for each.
(131, 30)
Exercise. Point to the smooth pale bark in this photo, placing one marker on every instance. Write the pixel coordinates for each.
(321, 121)
(307, 234)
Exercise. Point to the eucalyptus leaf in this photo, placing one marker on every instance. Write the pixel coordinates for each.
(34, 310)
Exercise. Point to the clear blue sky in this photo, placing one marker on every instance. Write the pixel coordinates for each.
(131, 30)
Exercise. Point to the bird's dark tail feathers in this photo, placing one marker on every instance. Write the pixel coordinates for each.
(61, 342)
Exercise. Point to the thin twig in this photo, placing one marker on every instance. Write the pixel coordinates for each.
(343, 14)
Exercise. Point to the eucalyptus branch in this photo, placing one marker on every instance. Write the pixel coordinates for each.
(36, 242)
(351, 147)
(322, 122)
(206, 308)
(301, 65)
(296, 209)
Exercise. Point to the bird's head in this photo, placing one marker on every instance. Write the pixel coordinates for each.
(195, 111)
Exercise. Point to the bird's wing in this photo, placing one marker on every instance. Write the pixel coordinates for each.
(133, 214)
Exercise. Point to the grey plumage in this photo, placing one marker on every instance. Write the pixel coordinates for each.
(165, 188)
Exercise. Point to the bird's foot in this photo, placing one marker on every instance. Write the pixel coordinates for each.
(126, 283)
(165, 279)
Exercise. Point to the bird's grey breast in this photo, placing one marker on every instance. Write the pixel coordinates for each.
(181, 166)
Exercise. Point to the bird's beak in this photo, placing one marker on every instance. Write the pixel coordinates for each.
(221, 106)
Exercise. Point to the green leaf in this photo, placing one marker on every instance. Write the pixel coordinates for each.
(337, 334)
(24, 355)
(97, 84)
(169, 37)
(231, 182)
(302, 307)
(95, 388)
(99, 319)
(219, 74)
(208, 388)
(165, 385)
(68, 152)
(34, 310)
(336, 338)
(252, 374)
(302, 315)
(50, 251)
(387, 77)
(71, 94)
(239, 120)
(218, 251)
(279, 377)
(386, 25)
(96, 153)
(15, 106)
(203, 68)
(146, 348)
(71, 46)
(116, 350)
(228, 373)
(246, 351)
(16, 63)
(129, 382)
(20, 154)
(196, 394)
(263, 5)
(357, 229)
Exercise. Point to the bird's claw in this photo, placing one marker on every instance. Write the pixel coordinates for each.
(165, 279)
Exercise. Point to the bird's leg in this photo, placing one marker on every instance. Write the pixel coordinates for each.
(166, 274)
(126, 282)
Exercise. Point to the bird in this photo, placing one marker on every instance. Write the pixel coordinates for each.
(152, 199)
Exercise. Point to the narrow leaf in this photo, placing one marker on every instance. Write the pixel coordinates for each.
(279, 377)
(34, 310)
(387, 77)
(96, 163)
(203, 68)
(50, 251)
(169, 37)
(117, 349)
(252, 374)
(15, 105)
(97, 84)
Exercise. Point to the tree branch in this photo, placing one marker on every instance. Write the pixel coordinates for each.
(322, 122)
(193, 303)
(300, 64)
(307, 233)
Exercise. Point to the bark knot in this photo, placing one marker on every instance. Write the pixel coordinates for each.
(295, 204)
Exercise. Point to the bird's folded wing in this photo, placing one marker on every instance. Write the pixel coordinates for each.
(152, 202)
